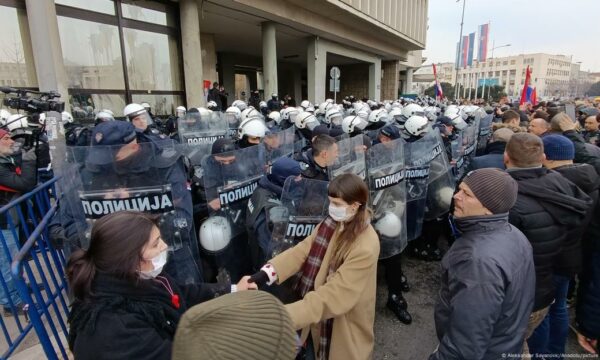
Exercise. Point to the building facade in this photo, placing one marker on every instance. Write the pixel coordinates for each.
(103, 54)
(552, 75)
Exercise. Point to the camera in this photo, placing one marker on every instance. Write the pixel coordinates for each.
(43, 103)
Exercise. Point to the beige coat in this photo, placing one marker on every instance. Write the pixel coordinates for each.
(347, 295)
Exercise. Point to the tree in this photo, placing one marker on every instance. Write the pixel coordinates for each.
(447, 88)
(495, 92)
(594, 89)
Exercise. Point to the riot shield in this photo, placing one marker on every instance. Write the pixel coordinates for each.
(195, 130)
(485, 132)
(303, 206)
(229, 181)
(351, 158)
(137, 177)
(417, 178)
(471, 134)
(387, 187)
(441, 182)
(276, 145)
(458, 152)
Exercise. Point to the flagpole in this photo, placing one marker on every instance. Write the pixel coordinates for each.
(462, 20)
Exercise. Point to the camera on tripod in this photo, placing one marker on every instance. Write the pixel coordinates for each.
(43, 103)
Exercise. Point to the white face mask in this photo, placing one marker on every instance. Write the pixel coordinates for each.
(339, 213)
(158, 262)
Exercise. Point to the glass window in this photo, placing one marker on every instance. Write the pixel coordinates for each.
(162, 105)
(102, 6)
(152, 60)
(512, 62)
(92, 54)
(17, 68)
(84, 107)
(147, 11)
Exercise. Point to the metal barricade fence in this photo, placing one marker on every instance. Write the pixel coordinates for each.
(32, 276)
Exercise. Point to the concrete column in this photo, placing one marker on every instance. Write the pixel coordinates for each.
(228, 76)
(389, 83)
(49, 65)
(297, 74)
(269, 58)
(192, 53)
(409, 81)
(316, 62)
(375, 80)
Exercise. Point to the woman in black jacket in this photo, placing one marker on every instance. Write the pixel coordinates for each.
(125, 307)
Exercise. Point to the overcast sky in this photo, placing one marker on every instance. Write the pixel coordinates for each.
(566, 27)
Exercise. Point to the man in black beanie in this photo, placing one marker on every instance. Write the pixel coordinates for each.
(488, 276)
(547, 206)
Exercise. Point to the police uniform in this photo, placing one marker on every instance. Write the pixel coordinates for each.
(310, 169)
(264, 198)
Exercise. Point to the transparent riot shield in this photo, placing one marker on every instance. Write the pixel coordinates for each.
(303, 206)
(387, 187)
(194, 129)
(458, 152)
(417, 178)
(351, 159)
(277, 144)
(137, 177)
(299, 145)
(229, 181)
(485, 132)
(441, 182)
(471, 134)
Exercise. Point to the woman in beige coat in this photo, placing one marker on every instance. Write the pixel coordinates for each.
(336, 269)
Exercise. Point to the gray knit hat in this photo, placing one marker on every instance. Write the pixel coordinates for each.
(494, 188)
(242, 325)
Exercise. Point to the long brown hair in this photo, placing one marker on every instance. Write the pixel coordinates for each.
(352, 189)
(115, 248)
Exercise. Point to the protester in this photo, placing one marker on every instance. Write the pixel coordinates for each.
(592, 132)
(562, 123)
(488, 276)
(547, 206)
(337, 281)
(494, 151)
(246, 325)
(539, 127)
(17, 176)
(550, 337)
(125, 306)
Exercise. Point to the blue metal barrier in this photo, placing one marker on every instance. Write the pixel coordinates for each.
(37, 273)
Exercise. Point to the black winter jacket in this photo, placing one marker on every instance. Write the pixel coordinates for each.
(124, 321)
(584, 176)
(547, 206)
(487, 291)
(493, 158)
(582, 154)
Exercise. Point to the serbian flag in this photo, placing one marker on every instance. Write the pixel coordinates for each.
(439, 94)
(531, 95)
(525, 86)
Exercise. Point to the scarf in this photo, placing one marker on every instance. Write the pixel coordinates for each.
(308, 273)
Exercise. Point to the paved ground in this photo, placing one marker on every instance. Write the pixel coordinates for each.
(394, 340)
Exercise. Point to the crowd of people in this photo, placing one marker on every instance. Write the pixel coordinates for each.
(168, 223)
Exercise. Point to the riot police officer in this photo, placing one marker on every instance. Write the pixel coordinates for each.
(141, 120)
(264, 198)
(314, 162)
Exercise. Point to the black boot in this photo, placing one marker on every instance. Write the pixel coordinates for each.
(398, 305)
